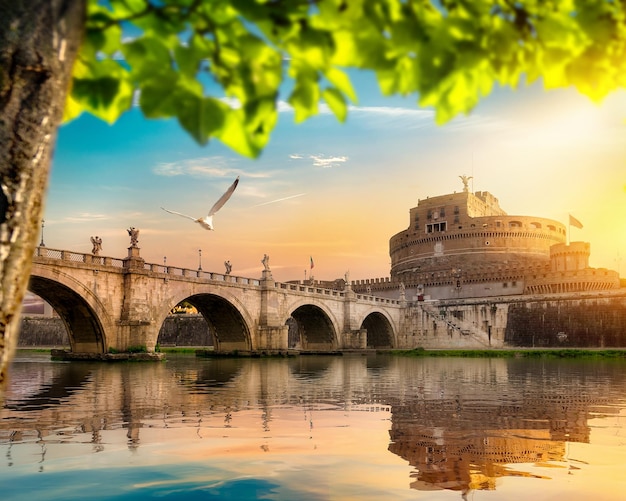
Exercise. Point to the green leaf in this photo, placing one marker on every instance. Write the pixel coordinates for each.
(336, 102)
(201, 117)
(105, 97)
(101, 88)
(126, 8)
(260, 119)
(234, 135)
(157, 97)
(340, 80)
(304, 99)
(148, 57)
(188, 59)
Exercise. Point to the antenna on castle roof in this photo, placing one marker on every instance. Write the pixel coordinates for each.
(472, 178)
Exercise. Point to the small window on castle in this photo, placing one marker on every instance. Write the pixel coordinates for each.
(456, 209)
(505, 285)
(442, 212)
(456, 219)
(436, 227)
(498, 224)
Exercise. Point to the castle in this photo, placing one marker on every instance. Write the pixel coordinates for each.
(464, 245)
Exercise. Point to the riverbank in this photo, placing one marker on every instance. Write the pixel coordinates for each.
(418, 352)
(514, 353)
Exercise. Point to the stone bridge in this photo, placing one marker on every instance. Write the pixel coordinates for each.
(110, 304)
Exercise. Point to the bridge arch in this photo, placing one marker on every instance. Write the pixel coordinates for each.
(227, 319)
(316, 326)
(86, 320)
(380, 333)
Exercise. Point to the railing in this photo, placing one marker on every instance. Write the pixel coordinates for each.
(173, 271)
(78, 257)
(310, 289)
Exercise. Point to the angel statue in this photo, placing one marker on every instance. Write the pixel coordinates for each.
(97, 245)
(134, 236)
(465, 180)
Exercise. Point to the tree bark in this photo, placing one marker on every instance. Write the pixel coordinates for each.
(39, 40)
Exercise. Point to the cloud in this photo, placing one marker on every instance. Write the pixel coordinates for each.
(84, 217)
(379, 117)
(476, 122)
(327, 162)
(323, 161)
(198, 167)
(390, 111)
(216, 166)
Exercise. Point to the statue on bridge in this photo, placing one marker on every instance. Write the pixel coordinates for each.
(134, 236)
(228, 266)
(97, 245)
(266, 262)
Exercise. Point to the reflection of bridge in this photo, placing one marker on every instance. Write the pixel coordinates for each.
(120, 304)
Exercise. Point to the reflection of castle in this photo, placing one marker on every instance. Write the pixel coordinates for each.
(463, 441)
(464, 245)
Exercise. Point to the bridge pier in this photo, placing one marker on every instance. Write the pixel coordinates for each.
(136, 327)
(273, 338)
(271, 334)
(355, 339)
(353, 336)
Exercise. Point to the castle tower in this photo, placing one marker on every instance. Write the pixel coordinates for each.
(468, 231)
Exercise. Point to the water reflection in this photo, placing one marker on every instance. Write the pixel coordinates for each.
(362, 426)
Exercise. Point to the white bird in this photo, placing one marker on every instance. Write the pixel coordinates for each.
(207, 221)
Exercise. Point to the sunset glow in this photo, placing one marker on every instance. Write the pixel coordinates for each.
(338, 192)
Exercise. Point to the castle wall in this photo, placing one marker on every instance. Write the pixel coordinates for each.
(589, 320)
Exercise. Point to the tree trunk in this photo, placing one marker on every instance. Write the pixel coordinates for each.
(38, 43)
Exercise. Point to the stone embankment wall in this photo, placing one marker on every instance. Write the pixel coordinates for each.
(185, 330)
(43, 331)
(591, 323)
(177, 330)
(573, 320)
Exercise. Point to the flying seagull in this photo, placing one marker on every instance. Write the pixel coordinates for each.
(207, 221)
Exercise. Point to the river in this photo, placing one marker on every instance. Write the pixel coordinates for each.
(314, 428)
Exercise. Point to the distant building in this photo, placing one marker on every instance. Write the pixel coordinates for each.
(465, 245)
(34, 306)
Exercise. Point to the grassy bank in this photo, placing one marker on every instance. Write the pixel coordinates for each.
(516, 353)
(180, 349)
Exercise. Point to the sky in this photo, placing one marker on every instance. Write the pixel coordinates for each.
(344, 189)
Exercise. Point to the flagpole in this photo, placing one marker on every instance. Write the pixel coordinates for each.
(569, 231)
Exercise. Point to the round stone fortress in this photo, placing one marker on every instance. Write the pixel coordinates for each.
(466, 230)
(464, 245)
